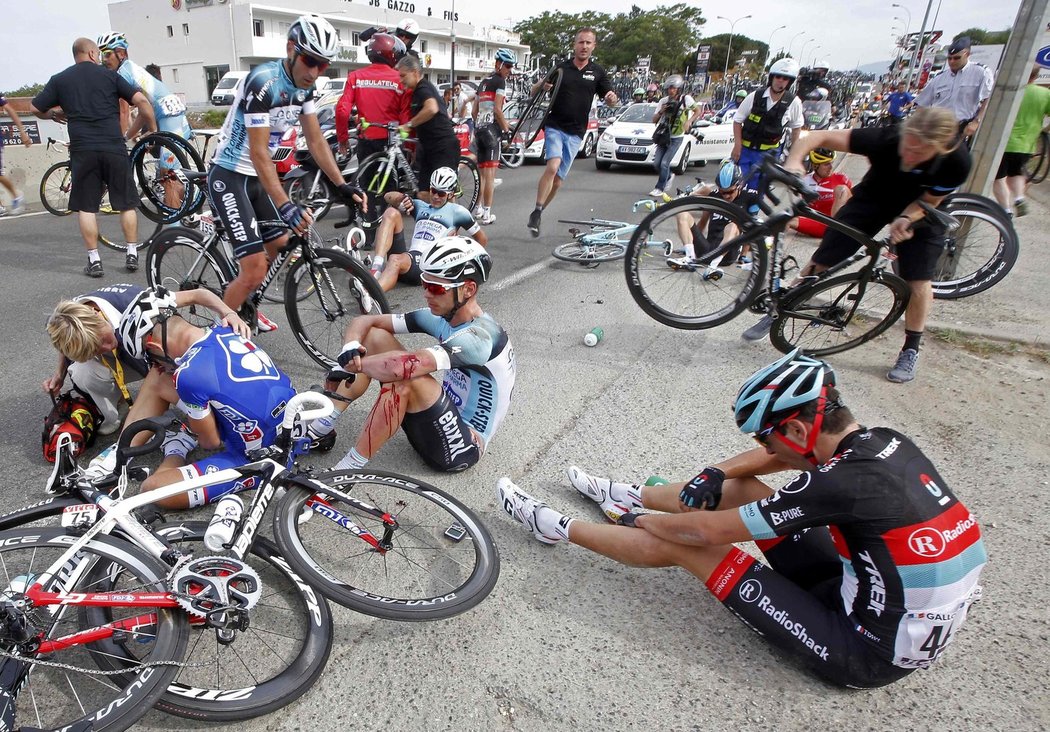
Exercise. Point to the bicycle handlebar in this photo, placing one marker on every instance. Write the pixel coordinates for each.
(156, 425)
(780, 174)
(297, 408)
(388, 126)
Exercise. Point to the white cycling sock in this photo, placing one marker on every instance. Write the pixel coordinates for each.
(178, 443)
(94, 256)
(351, 461)
(552, 523)
(133, 247)
(323, 425)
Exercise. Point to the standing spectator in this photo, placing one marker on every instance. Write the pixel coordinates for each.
(489, 126)
(677, 106)
(377, 93)
(963, 88)
(90, 96)
(16, 195)
(1010, 181)
(581, 79)
(433, 126)
(450, 104)
(899, 102)
(462, 102)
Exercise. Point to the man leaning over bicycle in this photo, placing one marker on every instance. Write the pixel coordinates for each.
(243, 182)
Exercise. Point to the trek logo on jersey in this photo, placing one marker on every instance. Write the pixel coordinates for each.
(929, 542)
(889, 449)
(877, 593)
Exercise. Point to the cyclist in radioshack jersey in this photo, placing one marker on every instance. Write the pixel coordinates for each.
(245, 191)
(434, 221)
(450, 422)
(489, 127)
(873, 561)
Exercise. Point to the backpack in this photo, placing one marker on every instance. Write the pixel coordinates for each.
(72, 413)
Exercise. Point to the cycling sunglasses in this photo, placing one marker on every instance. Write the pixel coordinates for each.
(311, 62)
(439, 192)
(439, 288)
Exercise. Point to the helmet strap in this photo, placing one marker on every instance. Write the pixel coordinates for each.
(807, 450)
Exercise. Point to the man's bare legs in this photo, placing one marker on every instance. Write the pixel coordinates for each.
(251, 274)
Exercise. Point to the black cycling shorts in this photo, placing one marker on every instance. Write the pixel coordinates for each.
(442, 437)
(795, 603)
(1012, 165)
(916, 258)
(93, 172)
(434, 156)
(241, 203)
(488, 144)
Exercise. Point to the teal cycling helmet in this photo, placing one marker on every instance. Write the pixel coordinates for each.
(729, 175)
(780, 389)
(112, 41)
(505, 55)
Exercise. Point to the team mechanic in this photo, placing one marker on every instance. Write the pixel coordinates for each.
(873, 561)
(243, 181)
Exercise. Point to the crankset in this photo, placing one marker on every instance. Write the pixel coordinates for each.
(221, 590)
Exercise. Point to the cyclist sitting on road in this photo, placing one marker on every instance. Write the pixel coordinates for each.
(242, 181)
(84, 332)
(378, 94)
(433, 126)
(834, 189)
(490, 126)
(434, 221)
(450, 422)
(872, 560)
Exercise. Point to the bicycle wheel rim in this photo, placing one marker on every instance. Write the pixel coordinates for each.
(158, 180)
(838, 314)
(534, 116)
(585, 254)
(180, 260)
(469, 183)
(976, 256)
(53, 697)
(425, 575)
(716, 291)
(55, 186)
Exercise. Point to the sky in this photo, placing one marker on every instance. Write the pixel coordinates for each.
(36, 36)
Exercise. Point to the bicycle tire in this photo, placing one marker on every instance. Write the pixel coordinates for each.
(800, 313)
(372, 180)
(685, 299)
(179, 259)
(534, 116)
(55, 185)
(319, 320)
(51, 691)
(299, 195)
(268, 666)
(1038, 164)
(512, 154)
(144, 165)
(980, 253)
(393, 580)
(590, 254)
(469, 183)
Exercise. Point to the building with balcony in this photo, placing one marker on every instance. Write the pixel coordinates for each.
(195, 42)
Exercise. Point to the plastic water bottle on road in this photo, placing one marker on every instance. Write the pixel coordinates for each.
(594, 337)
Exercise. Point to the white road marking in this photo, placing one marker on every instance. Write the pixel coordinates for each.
(9, 217)
(522, 274)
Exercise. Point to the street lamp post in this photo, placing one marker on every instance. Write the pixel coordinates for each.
(815, 49)
(729, 51)
(769, 45)
(918, 44)
(802, 53)
(792, 41)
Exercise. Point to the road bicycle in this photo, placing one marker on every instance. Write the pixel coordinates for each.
(159, 163)
(824, 314)
(531, 119)
(390, 170)
(980, 253)
(603, 240)
(322, 289)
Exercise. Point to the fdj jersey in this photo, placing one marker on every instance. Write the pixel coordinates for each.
(267, 97)
(478, 361)
(169, 109)
(433, 223)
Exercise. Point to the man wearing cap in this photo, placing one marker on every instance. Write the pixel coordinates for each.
(963, 88)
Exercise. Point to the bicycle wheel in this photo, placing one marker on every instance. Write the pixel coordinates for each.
(590, 254)
(310, 191)
(976, 256)
(156, 161)
(1038, 165)
(839, 313)
(469, 183)
(341, 290)
(55, 185)
(726, 280)
(180, 259)
(436, 562)
(73, 689)
(512, 154)
(377, 179)
(266, 667)
(534, 115)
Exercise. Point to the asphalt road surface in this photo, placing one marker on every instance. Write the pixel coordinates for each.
(570, 640)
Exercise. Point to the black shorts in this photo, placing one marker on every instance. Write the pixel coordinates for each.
(414, 275)
(241, 204)
(488, 144)
(436, 155)
(442, 437)
(916, 258)
(91, 171)
(369, 147)
(795, 603)
(1012, 165)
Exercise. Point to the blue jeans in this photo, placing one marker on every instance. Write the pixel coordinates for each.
(662, 161)
(562, 145)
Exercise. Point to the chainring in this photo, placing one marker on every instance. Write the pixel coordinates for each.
(204, 585)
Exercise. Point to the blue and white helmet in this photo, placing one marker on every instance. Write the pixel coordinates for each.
(729, 175)
(505, 55)
(314, 36)
(112, 41)
(782, 387)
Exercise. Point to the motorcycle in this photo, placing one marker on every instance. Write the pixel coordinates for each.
(816, 115)
(870, 116)
(307, 185)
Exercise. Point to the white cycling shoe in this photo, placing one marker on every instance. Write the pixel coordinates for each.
(598, 490)
(523, 508)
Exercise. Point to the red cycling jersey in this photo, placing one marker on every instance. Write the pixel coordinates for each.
(377, 92)
(826, 188)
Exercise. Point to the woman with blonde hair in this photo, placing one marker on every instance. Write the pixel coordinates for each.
(919, 161)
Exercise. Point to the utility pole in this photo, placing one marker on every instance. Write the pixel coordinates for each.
(918, 44)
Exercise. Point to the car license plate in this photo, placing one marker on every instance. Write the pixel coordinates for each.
(632, 150)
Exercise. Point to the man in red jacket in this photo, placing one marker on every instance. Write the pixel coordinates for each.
(378, 94)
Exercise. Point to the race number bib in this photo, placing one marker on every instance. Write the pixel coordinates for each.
(171, 106)
(926, 634)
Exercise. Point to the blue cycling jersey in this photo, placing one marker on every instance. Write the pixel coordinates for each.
(169, 109)
(232, 377)
(437, 222)
(267, 97)
(478, 361)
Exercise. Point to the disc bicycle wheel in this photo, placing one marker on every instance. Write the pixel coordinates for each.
(376, 178)
(726, 278)
(469, 183)
(340, 289)
(55, 185)
(436, 560)
(62, 684)
(976, 256)
(839, 313)
(179, 260)
(588, 254)
(528, 125)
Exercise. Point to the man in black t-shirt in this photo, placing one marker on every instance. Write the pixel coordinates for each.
(430, 120)
(920, 160)
(566, 124)
(89, 96)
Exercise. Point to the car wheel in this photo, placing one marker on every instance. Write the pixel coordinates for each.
(587, 147)
(602, 164)
(683, 163)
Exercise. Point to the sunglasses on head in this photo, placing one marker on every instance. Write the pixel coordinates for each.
(439, 288)
(311, 62)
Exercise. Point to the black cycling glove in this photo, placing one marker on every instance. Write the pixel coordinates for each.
(338, 374)
(292, 215)
(703, 491)
(347, 191)
(628, 519)
(350, 351)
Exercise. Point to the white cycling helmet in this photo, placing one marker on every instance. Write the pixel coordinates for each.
(408, 27)
(785, 67)
(112, 41)
(314, 35)
(821, 65)
(444, 179)
(458, 259)
(674, 81)
(148, 310)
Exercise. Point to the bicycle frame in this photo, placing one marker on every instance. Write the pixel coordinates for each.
(395, 158)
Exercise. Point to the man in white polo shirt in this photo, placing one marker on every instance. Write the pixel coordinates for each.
(963, 87)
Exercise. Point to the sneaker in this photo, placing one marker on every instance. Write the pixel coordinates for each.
(131, 262)
(489, 218)
(522, 507)
(904, 370)
(656, 192)
(670, 184)
(713, 273)
(1020, 205)
(687, 263)
(597, 489)
(17, 205)
(478, 211)
(94, 269)
(534, 222)
(265, 324)
(759, 330)
(363, 298)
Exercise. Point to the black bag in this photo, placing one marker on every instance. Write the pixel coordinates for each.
(74, 413)
(662, 133)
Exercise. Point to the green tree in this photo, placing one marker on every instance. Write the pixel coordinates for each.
(741, 44)
(551, 35)
(28, 90)
(982, 37)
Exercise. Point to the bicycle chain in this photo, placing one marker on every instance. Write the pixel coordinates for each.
(98, 672)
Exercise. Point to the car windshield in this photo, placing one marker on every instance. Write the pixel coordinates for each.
(228, 82)
(638, 113)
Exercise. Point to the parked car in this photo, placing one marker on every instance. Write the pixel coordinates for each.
(629, 141)
(223, 92)
(332, 85)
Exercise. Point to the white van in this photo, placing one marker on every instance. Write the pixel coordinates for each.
(223, 93)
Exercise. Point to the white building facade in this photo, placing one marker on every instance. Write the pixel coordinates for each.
(195, 42)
